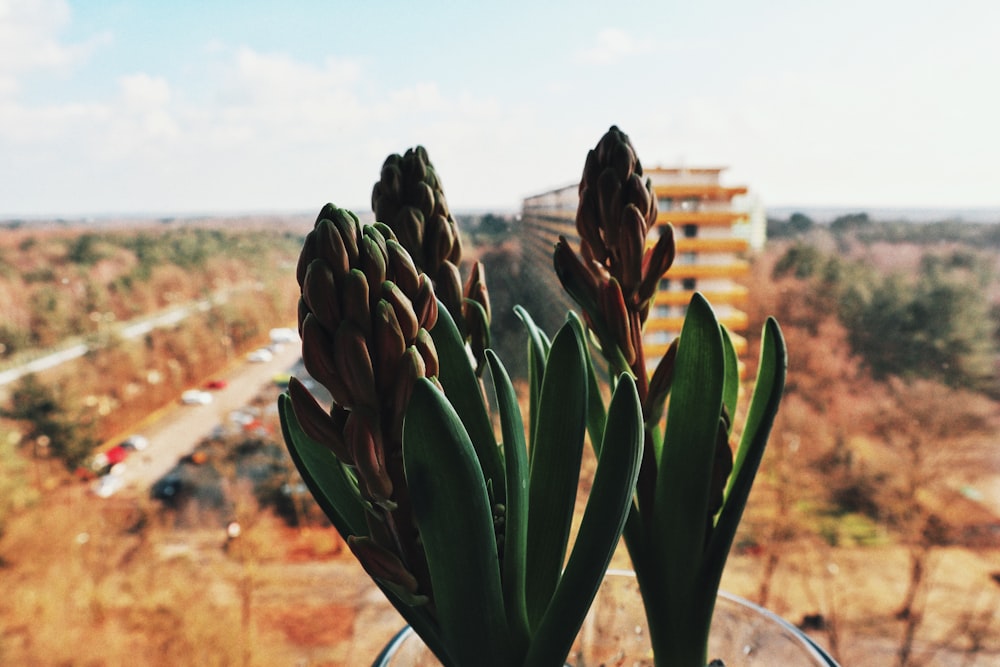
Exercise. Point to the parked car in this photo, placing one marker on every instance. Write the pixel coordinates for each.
(216, 384)
(167, 487)
(196, 397)
(116, 454)
(284, 335)
(261, 355)
(135, 443)
(107, 485)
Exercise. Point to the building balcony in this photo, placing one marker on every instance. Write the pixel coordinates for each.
(678, 218)
(735, 295)
(734, 320)
(655, 350)
(711, 245)
(698, 191)
(732, 270)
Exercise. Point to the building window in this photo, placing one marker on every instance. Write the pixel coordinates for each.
(660, 312)
(664, 203)
(664, 285)
(659, 337)
(690, 284)
(690, 231)
(689, 258)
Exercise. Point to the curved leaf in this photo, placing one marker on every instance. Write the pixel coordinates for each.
(455, 520)
(538, 352)
(337, 495)
(731, 393)
(555, 466)
(465, 394)
(768, 389)
(516, 522)
(323, 474)
(680, 513)
(601, 527)
(596, 414)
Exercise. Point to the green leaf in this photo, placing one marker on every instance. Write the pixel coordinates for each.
(516, 522)
(731, 393)
(680, 513)
(455, 520)
(596, 414)
(555, 466)
(323, 474)
(600, 528)
(465, 394)
(337, 495)
(768, 389)
(538, 352)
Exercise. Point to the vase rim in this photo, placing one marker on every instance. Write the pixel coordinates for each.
(810, 646)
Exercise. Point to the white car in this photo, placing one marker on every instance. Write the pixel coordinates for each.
(196, 397)
(284, 335)
(260, 356)
(108, 485)
(135, 442)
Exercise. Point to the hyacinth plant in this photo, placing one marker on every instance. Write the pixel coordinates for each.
(467, 534)
(692, 487)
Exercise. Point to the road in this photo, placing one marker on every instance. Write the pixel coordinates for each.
(127, 330)
(175, 431)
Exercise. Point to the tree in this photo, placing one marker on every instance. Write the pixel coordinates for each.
(849, 222)
(936, 327)
(51, 425)
(923, 426)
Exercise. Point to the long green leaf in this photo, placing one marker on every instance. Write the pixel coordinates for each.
(555, 466)
(768, 389)
(680, 513)
(538, 352)
(454, 516)
(337, 496)
(516, 522)
(731, 393)
(465, 394)
(600, 528)
(323, 475)
(596, 413)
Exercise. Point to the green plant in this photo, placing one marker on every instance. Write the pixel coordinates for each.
(692, 488)
(468, 536)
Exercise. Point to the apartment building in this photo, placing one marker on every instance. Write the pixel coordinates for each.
(712, 238)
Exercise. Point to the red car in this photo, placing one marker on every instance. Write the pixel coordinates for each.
(116, 454)
(216, 384)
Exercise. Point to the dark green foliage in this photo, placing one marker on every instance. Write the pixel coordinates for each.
(937, 324)
(800, 260)
(48, 419)
(84, 250)
(849, 222)
(797, 224)
(13, 340)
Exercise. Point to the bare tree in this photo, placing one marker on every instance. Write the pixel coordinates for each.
(922, 426)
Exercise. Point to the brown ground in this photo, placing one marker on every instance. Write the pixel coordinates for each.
(92, 582)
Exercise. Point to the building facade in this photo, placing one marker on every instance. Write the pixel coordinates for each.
(712, 235)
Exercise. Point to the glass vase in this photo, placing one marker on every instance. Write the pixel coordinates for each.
(614, 633)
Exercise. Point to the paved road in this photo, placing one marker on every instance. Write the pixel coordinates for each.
(128, 330)
(176, 431)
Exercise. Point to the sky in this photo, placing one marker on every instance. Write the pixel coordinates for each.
(125, 107)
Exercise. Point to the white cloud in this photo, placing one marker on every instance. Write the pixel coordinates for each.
(269, 78)
(143, 92)
(29, 32)
(614, 45)
(420, 98)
